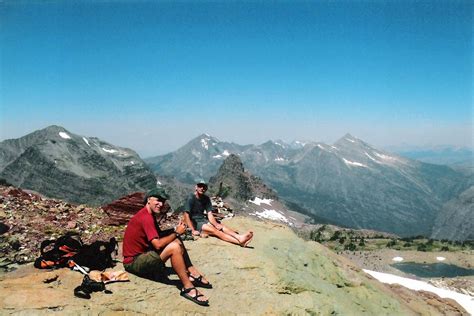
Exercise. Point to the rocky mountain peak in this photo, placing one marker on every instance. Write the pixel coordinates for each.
(233, 181)
(205, 141)
(348, 139)
(54, 128)
(79, 169)
(52, 132)
(232, 165)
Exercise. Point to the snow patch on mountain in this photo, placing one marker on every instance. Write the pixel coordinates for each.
(225, 153)
(272, 215)
(463, 299)
(277, 143)
(385, 157)
(110, 151)
(204, 143)
(372, 158)
(353, 163)
(279, 159)
(86, 141)
(300, 143)
(259, 201)
(64, 135)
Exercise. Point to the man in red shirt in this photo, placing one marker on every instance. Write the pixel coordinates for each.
(145, 252)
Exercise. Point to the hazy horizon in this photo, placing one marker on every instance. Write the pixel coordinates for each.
(152, 152)
(151, 76)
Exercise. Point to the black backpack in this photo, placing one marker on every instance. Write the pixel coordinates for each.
(56, 253)
(69, 247)
(98, 255)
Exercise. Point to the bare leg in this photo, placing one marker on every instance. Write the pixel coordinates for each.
(211, 230)
(231, 237)
(230, 231)
(194, 273)
(188, 264)
(187, 260)
(174, 251)
(241, 237)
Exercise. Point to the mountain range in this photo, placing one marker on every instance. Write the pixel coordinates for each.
(349, 183)
(63, 165)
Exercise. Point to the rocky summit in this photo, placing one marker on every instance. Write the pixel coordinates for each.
(74, 168)
(280, 274)
(232, 181)
(349, 183)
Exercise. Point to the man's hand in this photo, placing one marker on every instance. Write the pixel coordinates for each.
(218, 226)
(196, 233)
(181, 228)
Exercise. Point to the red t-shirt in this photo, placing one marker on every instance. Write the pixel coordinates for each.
(141, 230)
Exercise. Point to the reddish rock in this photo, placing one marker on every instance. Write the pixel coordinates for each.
(27, 220)
(19, 193)
(121, 210)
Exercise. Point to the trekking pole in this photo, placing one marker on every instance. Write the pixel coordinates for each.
(77, 267)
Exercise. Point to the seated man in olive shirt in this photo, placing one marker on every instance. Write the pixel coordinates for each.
(145, 252)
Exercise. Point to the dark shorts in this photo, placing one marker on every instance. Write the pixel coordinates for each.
(198, 222)
(147, 265)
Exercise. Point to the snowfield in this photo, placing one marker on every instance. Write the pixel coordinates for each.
(464, 300)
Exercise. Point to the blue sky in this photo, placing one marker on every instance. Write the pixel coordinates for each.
(152, 75)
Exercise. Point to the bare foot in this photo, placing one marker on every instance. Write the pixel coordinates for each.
(245, 239)
(194, 295)
(199, 280)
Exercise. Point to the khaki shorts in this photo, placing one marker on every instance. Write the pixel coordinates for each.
(147, 265)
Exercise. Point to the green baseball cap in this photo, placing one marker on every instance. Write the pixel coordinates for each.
(159, 193)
